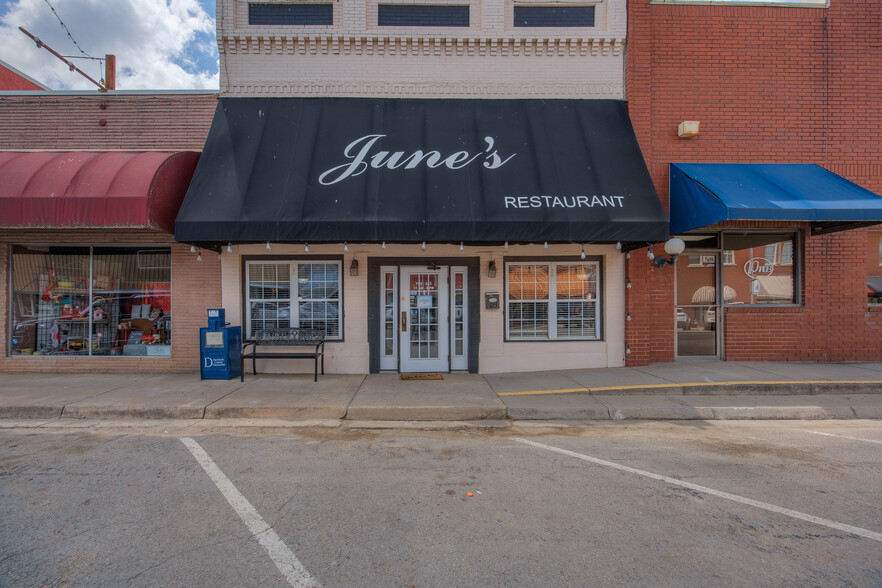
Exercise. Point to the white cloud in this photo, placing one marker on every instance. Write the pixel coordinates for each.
(159, 44)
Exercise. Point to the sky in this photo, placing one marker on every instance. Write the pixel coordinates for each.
(159, 44)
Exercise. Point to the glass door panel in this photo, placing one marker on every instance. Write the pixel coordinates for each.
(697, 307)
(425, 330)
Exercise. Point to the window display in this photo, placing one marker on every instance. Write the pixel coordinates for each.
(763, 271)
(87, 301)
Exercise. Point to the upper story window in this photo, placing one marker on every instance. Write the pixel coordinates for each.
(290, 14)
(422, 15)
(554, 16)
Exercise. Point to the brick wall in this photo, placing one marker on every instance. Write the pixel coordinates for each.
(769, 84)
(143, 122)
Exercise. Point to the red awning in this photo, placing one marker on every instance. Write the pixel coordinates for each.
(85, 189)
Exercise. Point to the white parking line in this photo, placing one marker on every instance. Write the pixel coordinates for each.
(844, 437)
(283, 557)
(733, 497)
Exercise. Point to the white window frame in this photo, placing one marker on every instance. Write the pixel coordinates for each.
(553, 301)
(294, 301)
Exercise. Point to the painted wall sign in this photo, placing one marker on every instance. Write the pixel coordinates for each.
(756, 267)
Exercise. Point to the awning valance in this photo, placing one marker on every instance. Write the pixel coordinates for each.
(706, 193)
(407, 170)
(85, 189)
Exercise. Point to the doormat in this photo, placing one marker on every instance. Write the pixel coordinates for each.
(422, 377)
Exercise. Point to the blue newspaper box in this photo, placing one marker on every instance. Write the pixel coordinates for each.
(220, 348)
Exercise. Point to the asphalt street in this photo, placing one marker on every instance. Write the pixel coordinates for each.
(652, 503)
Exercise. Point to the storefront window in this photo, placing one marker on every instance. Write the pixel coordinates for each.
(568, 292)
(314, 302)
(763, 269)
(83, 301)
(874, 266)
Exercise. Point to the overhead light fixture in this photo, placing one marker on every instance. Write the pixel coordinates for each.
(674, 247)
(353, 267)
(345, 246)
(306, 247)
(229, 247)
(491, 269)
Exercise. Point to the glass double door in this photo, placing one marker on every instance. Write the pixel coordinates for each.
(424, 319)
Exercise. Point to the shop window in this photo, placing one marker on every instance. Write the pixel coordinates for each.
(294, 294)
(874, 266)
(554, 16)
(552, 301)
(422, 15)
(763, 271)
(290, 14)
(88, 301)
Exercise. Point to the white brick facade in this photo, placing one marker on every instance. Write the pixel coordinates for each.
(355, 57)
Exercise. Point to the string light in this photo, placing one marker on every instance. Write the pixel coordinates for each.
(424, 245)
(268, 246)
(546, 244)
(345, 246)
(506, 244)
(384, 244)
(583, 251)
(229, 247)
(199, 256)
(306, 247)
(460, 246)
(192, 249)
(619, 245)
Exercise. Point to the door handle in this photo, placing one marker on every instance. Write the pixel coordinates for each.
(403, 321)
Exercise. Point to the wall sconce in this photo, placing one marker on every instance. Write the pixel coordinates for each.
(688, 129)
(674, 247)
(491, 269)
(353, 268)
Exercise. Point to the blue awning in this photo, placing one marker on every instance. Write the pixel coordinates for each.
(706, 193)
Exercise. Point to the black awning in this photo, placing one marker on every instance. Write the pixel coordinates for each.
(370, 170)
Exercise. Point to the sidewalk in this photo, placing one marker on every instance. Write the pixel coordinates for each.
(702, 390)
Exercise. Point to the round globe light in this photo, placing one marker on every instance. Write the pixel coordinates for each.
(675, 246)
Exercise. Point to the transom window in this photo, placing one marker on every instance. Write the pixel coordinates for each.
(294, 294)
(552, 301)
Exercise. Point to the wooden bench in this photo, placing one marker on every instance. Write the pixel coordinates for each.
(290, 337)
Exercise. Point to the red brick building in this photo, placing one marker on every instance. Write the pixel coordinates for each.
(776, 84)
(127, 268)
